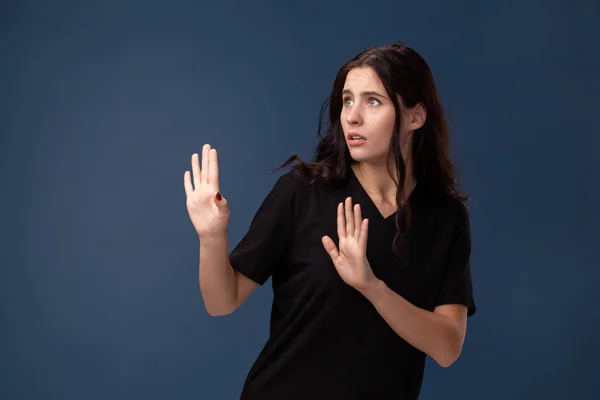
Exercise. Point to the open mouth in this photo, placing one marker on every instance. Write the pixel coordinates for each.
(355, 136)
(354, 139)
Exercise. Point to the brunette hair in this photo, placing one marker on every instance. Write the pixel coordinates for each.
(403, 72)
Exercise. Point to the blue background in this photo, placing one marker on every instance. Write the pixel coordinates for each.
(103, 103)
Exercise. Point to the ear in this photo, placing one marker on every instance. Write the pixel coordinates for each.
(418, 116)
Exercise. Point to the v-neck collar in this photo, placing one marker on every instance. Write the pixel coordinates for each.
(365, 198)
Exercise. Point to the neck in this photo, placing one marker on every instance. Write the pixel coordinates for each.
(377, 181)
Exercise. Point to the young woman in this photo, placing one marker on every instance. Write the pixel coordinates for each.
(368, 245)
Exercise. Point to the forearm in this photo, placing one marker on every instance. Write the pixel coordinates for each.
(434, 334)
(217, 278)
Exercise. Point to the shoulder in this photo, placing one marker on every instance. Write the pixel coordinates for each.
(292, 182)
(293, 178)
(291, 190)
(457, 214)
(456, 208)
(453, 211)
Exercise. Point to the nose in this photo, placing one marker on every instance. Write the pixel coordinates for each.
(354, 115)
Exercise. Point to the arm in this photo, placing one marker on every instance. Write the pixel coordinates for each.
(440, 334)
(223, 289)
(227, 280)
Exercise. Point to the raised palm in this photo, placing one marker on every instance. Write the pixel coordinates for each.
(350, 258)
(207, 209)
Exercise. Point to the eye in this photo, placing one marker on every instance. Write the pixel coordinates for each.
(373, 101)
(347, 101)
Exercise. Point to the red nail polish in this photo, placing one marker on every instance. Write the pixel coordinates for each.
(218, 196)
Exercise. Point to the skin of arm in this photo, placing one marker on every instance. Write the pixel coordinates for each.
(439, 333)
(223, 289)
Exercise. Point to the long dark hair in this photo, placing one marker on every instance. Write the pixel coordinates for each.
(405, 73)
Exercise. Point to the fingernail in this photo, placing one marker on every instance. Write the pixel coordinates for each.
(218, 196)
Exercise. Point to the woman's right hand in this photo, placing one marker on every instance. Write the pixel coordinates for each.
(207, 208)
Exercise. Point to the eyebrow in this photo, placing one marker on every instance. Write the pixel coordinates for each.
(368, 93)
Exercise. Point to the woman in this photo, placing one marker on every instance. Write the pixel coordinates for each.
(368, 246)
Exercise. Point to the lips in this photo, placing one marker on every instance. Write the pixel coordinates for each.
(355, 136)
(356, 140)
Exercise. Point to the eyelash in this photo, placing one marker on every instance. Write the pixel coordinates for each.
(370, 99)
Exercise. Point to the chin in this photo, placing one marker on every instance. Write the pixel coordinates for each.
(359, 155)
(363, 158)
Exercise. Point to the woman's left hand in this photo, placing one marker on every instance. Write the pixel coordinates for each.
(350, 260)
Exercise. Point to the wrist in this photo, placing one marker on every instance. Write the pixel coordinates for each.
(373, 289)
(213, 239)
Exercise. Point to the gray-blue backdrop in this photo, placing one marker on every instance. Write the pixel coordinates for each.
(102, 104)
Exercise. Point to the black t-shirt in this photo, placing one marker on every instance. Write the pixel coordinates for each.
(327, 341)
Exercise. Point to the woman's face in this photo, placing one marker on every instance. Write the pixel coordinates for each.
(368, 117)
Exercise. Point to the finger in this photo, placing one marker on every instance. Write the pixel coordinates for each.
(349, 217)
(213, 168)
(196, 170)
(330, 247)
(341, 224)
(364, 234)
(205, 150)
(187, 183)
(357, 220)
(221, 202)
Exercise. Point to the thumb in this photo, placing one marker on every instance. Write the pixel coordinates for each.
(220, 201)
(330, 247)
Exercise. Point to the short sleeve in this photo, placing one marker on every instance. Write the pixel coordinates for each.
(457, 287)
(263, 246)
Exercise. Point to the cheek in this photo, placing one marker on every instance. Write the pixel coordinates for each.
(390, 119)
(384, 125)
(343, 118)
(343, 115)
(345, 127)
